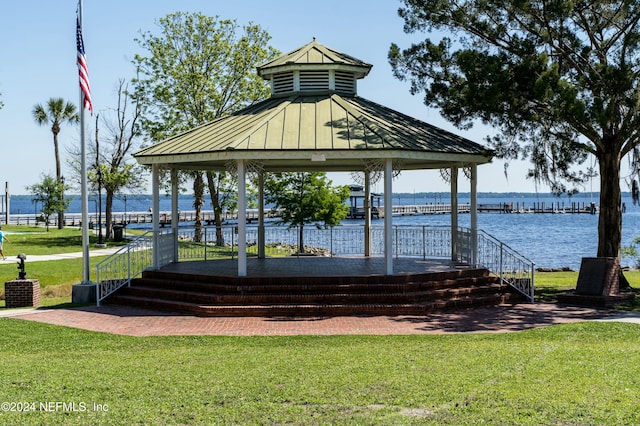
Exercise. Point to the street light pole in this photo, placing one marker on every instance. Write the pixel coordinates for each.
(99, 172)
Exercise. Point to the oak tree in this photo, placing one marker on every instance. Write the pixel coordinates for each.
(197, 69)
(558, 80)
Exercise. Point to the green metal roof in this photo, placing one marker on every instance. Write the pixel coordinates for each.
(317, 56)
(326, 132)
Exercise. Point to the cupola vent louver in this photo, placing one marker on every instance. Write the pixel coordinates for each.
(345, 82)
(283, 83)
(311, 81)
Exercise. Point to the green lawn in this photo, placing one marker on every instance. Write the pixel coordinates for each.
(57, 277)
(549, 284)
(35, 240)
(585, 373)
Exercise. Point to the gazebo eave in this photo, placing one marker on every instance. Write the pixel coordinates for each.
(320, 160)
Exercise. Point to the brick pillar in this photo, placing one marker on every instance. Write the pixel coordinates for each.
(21, 293)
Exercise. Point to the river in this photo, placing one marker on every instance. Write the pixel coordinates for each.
(550, 240)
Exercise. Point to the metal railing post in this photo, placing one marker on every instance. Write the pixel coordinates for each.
(533, 287)
(501, 268)
(397, 241)
(331, 241)
(233, 242)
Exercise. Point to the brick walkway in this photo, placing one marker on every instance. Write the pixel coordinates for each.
(140, 322)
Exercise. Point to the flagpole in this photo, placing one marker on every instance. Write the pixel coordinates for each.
(86, 278)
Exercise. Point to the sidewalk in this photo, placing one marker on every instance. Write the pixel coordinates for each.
(132, 321)
(60, 256)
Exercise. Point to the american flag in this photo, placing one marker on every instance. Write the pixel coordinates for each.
(83, 70)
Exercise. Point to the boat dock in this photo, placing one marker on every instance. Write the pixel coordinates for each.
(542, 207)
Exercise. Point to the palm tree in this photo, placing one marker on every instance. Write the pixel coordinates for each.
(57, 112)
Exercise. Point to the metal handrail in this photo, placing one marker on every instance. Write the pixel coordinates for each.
(511, 267)
(119, 268)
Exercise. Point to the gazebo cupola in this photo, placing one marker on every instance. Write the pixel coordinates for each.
(314, 69)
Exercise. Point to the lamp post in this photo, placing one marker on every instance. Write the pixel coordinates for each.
(124, 221)
(100, 241)
(99, 172)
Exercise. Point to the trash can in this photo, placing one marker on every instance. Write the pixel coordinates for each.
(117, 232)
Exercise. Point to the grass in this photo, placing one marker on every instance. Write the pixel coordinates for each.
(51, 273)
(57, 277)
(583, 373)
(35, 240)
(549, 284)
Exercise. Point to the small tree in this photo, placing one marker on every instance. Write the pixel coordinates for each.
(50, 193)
(306, 198)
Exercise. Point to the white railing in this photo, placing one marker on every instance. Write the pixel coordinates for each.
(118, 269)
(408, 241)
(513, 268)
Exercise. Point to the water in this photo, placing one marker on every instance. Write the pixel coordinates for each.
(550, 240)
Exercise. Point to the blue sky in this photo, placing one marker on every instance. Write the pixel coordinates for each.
(39, 62)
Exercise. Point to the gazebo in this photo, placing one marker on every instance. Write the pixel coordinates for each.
(315, 121)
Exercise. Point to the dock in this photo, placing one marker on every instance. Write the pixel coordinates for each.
(208, 217)
(507, 208)
(75, 219)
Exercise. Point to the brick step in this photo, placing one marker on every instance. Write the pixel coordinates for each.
(309, 296)
(327, 287)
(250, 298)
(312, 280)
(301, 310)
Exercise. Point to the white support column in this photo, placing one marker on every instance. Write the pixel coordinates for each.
(155, 213)
(474, 215)
(175, 215)
(388, 216)
(367, 214)
(242, 220)
(454, 214)
(261, 237)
